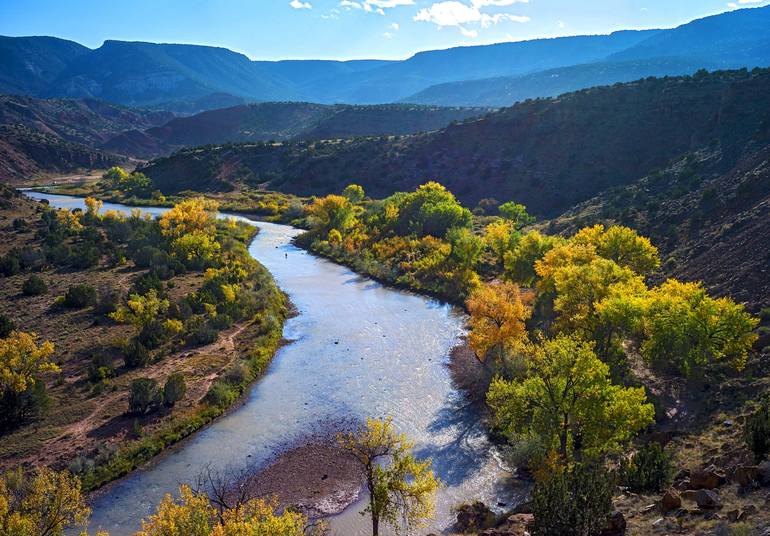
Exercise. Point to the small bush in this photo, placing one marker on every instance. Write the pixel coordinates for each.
(220, 395)
(107, 301)
(135, 354)
(9, 265)
(6, 326)
(647, 471)
(174, 389)
(144, 396)
(757, 431)
(79, 296)
(237, 374)
(575, 502)
(34, 286)
(101, 368)
(20, 224)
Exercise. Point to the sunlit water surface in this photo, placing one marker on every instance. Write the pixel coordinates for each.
(390, 359)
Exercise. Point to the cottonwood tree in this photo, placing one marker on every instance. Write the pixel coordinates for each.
(41, 502)
(568, 402)
(192, 514)
(22, 392)
(501, 237)
(401, 487)
(497, 319)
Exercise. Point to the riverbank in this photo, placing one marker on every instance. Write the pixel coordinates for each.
(93, 434)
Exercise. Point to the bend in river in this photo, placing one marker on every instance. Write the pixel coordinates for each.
(359, 350)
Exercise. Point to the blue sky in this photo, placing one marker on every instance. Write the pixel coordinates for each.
(342, 29)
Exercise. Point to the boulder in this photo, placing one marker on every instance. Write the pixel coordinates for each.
(708, 478)
(616, 525)
(670, 501)
(515, 525)
(706, 499)
(474, 517)
(763, 473)
(747, 512)
(746, 475)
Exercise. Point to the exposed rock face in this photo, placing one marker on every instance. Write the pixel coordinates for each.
(746, 475)
(705, 499)
(515, 525)
(670, 501)
(708, 478)
(473, 517)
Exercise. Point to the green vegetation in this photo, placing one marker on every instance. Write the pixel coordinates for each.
(573, 502)
(649, 470)
(757, 431)
(401, 487)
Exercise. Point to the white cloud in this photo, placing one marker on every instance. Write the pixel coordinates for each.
(374, 6)
(298, 4)
(560, 23)
(388, 35)
(387, 4)
(395, 26)
(458, 14)
(350, 5)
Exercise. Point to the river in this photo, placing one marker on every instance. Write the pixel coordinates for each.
(359, 350)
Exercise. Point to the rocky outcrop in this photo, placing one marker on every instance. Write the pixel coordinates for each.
(671, 501)
(709, 478)
(474, 517)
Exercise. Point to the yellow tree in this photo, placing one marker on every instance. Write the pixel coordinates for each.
(687, 329)
(520, 261)
(193, 515)
(93, 206)
(332, 212)
(22, 392)
(622, 245)
(189, 216)
(401, 488)
(568, 402)
(42, 502)
(500, 236)
(141, 310)
(498, 318)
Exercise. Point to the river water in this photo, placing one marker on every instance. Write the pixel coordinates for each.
(390, 358)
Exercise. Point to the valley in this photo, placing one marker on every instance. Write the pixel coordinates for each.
(385, 267)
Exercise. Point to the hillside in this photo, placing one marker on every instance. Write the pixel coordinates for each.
(284, 121)
(548, 154)
(26, 153)
(40, 136)
(190, 78)
(86, 121)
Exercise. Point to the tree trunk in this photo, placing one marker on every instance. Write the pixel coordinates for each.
(375, 525)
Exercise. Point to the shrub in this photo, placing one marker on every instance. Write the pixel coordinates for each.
(101, 368)
(647, 471)
(757, 431)
(237, 374)
(135, 354)
(9, 265)
(575, 502)
(34, 286)
(79, 296)
(107, 301)
(174, 389)
(17, 407)
(6, 326)
(199, 332)
(144, 396)
(220, 395)
(153, 334)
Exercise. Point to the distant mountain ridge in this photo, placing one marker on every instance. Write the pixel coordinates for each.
(185, 77)
(548, 154)
(285, 121)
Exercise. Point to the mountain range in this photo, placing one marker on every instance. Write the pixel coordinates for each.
(189, 78)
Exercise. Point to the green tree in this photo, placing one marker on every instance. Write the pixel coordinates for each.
(331, 212)
(516, 213)
(79, 296)
(622, 245)
(466, 247)
(649, 470)
(757, 431)
(144, 396)
(174, 389)
(354, 193)
(573, 502)
(401, 488)
(140, 310)
(520, 261)
(568, 401)
(501, 237)
(34, 286)
(687, 329)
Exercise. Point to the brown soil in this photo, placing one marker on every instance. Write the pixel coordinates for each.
(317, 477)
